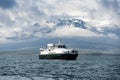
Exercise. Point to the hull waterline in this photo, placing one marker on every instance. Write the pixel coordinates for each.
(59, 56)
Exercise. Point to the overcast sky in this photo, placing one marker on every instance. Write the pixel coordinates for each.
(19, 15)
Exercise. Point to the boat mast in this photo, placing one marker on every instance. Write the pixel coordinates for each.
(59, 42)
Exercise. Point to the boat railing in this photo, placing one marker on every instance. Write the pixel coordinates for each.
(41, 49)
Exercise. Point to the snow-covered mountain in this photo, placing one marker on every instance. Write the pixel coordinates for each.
(62, 21)
(38, 28)
(111, 29)
(67, 21)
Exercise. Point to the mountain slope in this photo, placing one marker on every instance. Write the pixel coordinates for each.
(63, 21)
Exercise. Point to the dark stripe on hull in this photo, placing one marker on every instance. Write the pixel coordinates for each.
(59, 56)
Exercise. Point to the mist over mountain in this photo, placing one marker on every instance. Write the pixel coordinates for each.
(105, 37)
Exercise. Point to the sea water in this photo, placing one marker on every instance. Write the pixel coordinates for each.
(27, 66)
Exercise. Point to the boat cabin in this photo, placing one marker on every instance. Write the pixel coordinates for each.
(51, 46)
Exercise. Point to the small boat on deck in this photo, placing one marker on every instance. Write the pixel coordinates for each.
(58, 51)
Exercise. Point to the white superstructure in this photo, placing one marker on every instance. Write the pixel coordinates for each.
(57, 49)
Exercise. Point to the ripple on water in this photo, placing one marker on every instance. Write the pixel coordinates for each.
(86, 67)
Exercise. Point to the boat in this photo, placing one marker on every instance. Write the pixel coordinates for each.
(58, 51)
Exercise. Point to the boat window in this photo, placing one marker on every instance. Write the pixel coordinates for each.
(61, 46)
(64, 46)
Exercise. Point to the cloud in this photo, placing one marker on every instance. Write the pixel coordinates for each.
(27, 12)
(6, 4)
(110, 4)
(69, 31)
